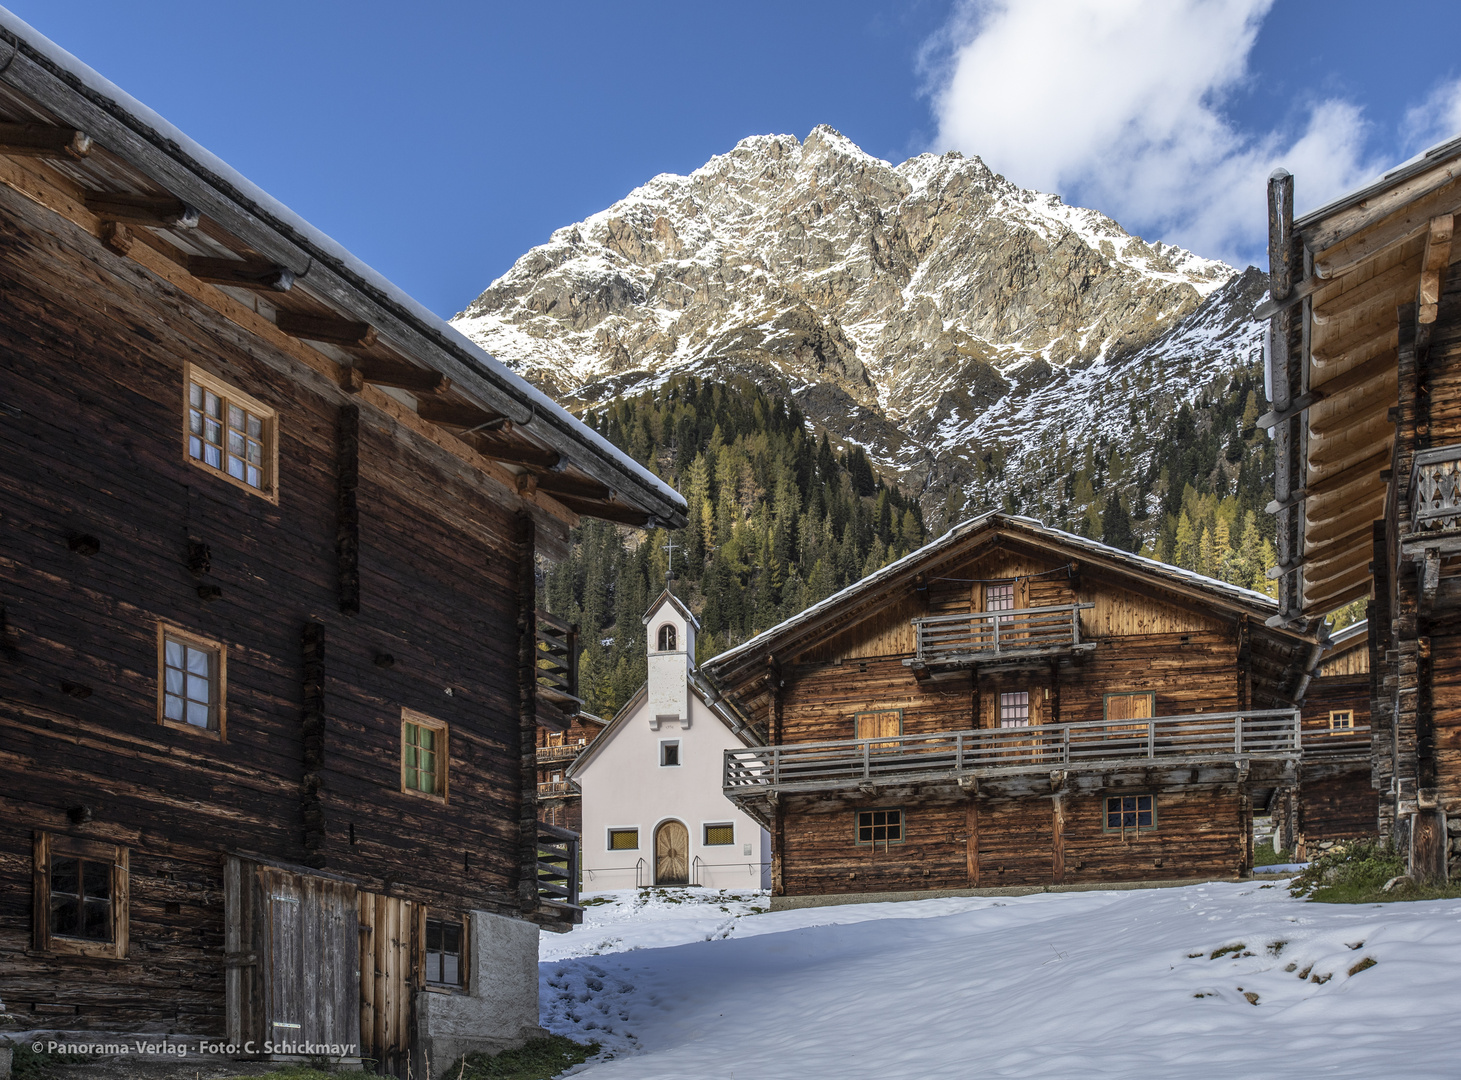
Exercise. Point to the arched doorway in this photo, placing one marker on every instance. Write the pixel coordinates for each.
(672, 854)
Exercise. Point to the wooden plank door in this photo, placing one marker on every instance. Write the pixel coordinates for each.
(284, 994)
(672, 854)
(387, 966)
(883, 723)
(311, 959)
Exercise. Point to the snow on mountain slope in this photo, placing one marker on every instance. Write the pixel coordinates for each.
(1091, 984)
(918, 309)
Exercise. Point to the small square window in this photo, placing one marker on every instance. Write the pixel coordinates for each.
(445, 952)
(623, 839)
(424, 755)
(1130, 812)
(191, 681)
(880, 826)
(669, 752)
(1014, 709)
(720, 834)
(229, 433)
(1341, 720)
(80, 895)
(999, 596)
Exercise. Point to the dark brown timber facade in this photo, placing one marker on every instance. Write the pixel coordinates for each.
(269, 661)
(1365, 369)
(1015, 706)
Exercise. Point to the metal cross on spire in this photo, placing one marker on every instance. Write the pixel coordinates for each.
(670, 548)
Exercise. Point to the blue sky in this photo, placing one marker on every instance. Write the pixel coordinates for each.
(439, 141)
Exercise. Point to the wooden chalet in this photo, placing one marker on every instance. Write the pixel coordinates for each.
(1012, 705)
(269, 660)
(1335, 798)
(1364, 370)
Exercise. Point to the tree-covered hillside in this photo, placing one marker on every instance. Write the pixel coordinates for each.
(778, 520)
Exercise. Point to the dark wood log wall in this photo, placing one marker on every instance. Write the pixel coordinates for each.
(93, 348)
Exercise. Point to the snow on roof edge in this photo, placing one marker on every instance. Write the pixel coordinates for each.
(1428, 158)
(275, 212)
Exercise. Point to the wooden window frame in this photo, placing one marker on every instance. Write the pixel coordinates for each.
(424, 916)
(1151, 696)
(198, 641)
(999, 697)
(443, 755)
(659, 637)
(1347, 713)
(857, 826)
(609, 837)
(50, 845)
(665, 744)
(1123, 829)
(1014, 587)
(857, 724)
(705, 828)
(192, 373)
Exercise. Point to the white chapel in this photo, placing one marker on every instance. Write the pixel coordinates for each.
(653, 809)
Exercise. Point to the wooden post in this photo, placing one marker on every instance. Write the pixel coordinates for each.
(971, 842)
(1285, 254)
(312, 725)
(527, 689)
(1057, 822)
(347, 527)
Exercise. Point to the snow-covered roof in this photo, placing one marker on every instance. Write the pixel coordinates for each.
(1263, 604)
(80, 96)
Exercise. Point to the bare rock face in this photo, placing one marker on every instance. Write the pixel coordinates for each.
(907, 307)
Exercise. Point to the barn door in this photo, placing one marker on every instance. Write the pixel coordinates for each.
(672, 854)
(386, 966)
(311, 961)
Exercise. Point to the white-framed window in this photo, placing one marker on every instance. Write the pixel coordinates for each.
(1341, 720)
(623, 839)
(720, 834)
(1014, 709)
(230, 434)
(191, 681)
(669, 752)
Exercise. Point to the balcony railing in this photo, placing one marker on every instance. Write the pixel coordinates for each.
(557, 789)
(1435, 490)
(754, 771)
(558, 866)
(547, 755)
(557, 655)
(977, 637)
(1332, 745)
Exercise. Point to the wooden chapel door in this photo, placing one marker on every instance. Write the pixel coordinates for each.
(672, 854)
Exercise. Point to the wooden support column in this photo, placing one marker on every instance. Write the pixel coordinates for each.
(347, 508)
(1057, 823)
(1382, 681)
(527, 686)
(971, 841)
(1405, 587)
(1245, 663)
(312, 725)
(1245, 826)
(778, 850)
(1285, 332)
(1054, 717)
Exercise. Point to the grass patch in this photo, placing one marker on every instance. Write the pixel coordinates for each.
(1276, 947)
(26, 1064)
(595, 901)
(539, 1059)
(1227, 949)
(300, 1072)
(1364, 965)
(1356, 872)
(1265, 855)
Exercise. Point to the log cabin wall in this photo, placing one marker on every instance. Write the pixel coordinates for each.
(91, 447)
(1145, 638)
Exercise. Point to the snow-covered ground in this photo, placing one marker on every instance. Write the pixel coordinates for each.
(694, 983)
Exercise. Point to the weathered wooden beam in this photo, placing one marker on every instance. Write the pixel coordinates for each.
(246, 273)
(1368, 469)
(559, 483)
(1433, 265)
(44, 140)
(1365, 245)
(449, 413)
(1379, 292)
(513, 453)
(162, 211)
(344, 332)
(607, 511)
(1271, 307)
(1298, 405)
(1370, 338)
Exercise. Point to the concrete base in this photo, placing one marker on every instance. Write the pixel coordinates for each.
(500, 1010)
(6, 1054)
(786, 903)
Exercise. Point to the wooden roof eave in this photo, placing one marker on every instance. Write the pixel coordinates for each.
(35, 73)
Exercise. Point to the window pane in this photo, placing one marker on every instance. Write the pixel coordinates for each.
(212, 456)
(719, 834)
(235, 417)
(425, 738)
(213, 432)
(451, 937)
(212, 405)
(174, 680)
(198, 714)
(433, 967)
(433, 935)
(65, 915)
(195, 395)
(97, 879)
(235, 467)
(98, 920)
(256, 452)
(254, 477)
(173, 652)
(451, 970)
(623, 839)
(195, 447)
(198, 661)
(256, 427)
(172, 706)
(198, 689)
(65, 876)
(235, 443)
(195, 421)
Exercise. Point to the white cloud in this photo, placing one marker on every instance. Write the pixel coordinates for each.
(1437, 118)
(1117, 104)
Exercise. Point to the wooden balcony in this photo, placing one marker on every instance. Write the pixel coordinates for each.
(557, 789)
(1435, 492)
(1349, 744)
(558, 870)
(558, 699)
(549, 755)
(992, 638)
(965, 757)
